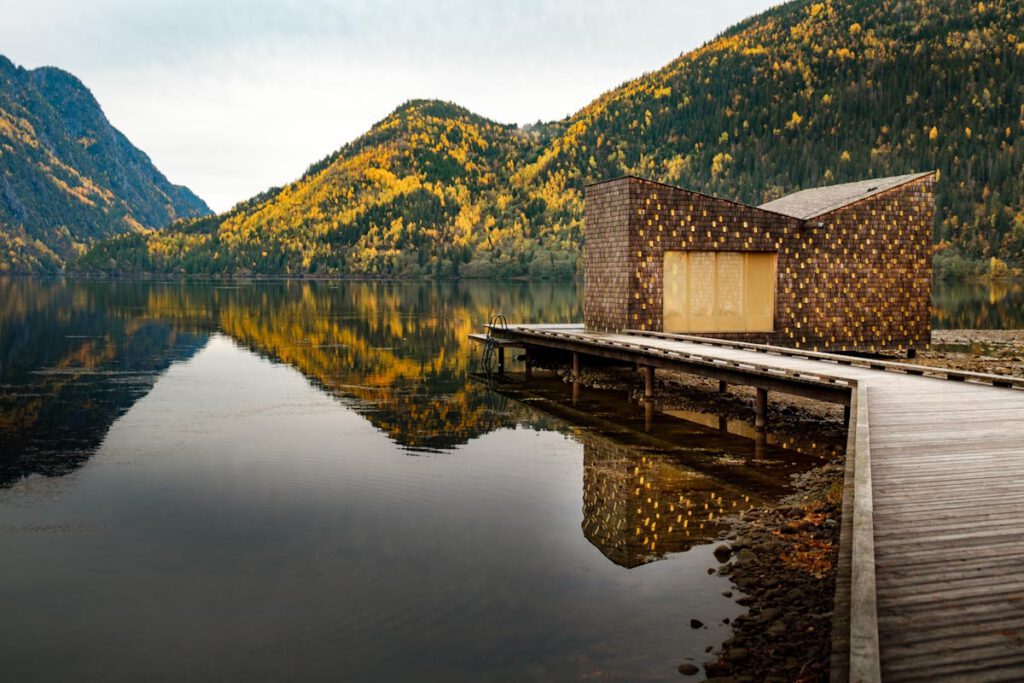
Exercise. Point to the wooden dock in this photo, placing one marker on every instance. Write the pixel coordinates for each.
(931, 576)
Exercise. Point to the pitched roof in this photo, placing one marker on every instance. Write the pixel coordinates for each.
(807, 204)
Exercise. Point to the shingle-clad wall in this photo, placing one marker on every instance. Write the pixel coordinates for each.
(855, 279)
(865, 282)
(606, 271)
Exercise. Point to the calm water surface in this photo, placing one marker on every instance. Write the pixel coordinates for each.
(990, 306)
(302, 481)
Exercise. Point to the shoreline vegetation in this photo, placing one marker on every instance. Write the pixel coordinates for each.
(948, 263)
(283, 277)
(1000, 275)
(782, 557)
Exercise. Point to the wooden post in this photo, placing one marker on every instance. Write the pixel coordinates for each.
(761, 409)
(723, 386)
(501, 360)
(648, 415)
(648, 382)
(575, 364)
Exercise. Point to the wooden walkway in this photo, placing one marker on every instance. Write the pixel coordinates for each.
(932, 565)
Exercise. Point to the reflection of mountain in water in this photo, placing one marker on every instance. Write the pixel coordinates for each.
(399, 353)
(638, 507)
(70, 368)
(77, 355)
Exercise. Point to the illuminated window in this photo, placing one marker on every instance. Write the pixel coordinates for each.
(719, 291)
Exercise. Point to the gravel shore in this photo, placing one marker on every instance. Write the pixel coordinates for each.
(999, 352)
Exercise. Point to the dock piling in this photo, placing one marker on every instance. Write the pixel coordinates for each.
(761, 409)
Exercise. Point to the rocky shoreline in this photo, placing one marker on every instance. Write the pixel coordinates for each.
(998, 352)
(783, 561)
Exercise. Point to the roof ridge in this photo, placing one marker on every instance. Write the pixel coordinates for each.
(735, 202)
(807, 213)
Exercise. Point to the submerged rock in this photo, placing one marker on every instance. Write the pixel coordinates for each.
(716, 669)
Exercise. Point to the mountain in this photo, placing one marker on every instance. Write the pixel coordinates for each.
(67, 177)
(427, 191)
(805, 94)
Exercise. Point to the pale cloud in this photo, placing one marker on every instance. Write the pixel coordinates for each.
(233, 97)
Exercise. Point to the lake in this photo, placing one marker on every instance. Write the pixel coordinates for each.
(303, 480)
(983, 306)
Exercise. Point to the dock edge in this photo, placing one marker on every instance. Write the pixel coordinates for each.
(855, 644)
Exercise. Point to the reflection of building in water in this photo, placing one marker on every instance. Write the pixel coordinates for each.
(640, 505)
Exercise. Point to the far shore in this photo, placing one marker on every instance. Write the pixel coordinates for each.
(261, 277)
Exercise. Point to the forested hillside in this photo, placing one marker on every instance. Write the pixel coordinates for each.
(422, 193)
(67, 177)
(806, 94)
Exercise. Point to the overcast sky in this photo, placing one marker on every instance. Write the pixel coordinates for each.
(231, 97)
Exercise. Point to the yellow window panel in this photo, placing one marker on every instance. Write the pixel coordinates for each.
(719, 291)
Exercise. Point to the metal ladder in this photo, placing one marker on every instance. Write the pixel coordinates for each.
(489, 360)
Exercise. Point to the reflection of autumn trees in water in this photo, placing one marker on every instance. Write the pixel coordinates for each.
(400, 350)
(982, 305)
(76, 355)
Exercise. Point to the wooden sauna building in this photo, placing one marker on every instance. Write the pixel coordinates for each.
(839, 268)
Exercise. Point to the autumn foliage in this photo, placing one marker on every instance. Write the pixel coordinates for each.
(806, 94)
